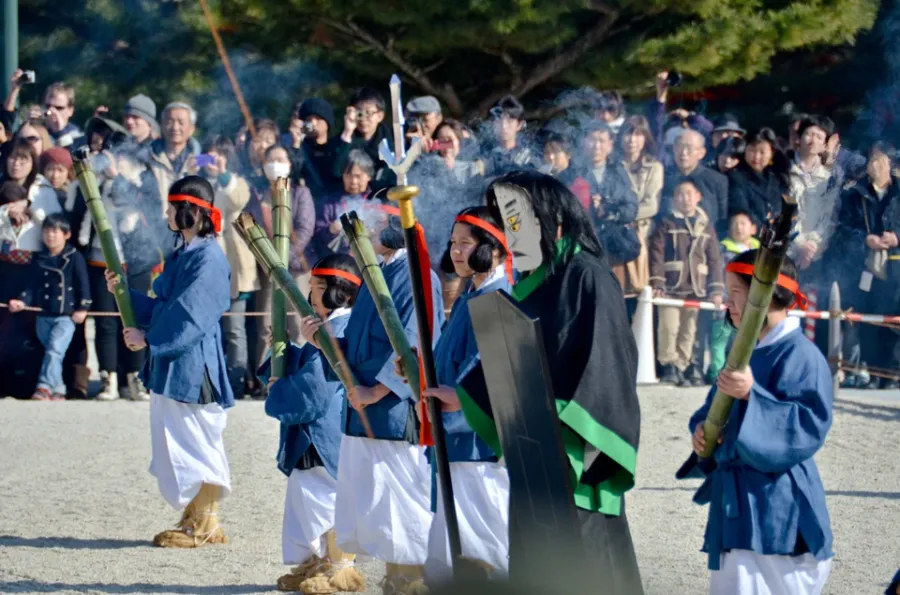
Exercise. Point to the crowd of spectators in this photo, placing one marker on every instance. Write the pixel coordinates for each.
(674, 196)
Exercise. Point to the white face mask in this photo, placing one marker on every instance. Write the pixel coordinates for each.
(523, 230)
(277, 169)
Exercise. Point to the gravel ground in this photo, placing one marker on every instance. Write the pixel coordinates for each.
(78, 508)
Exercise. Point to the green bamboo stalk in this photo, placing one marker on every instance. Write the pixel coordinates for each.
(366, 260)
(265, 255)
(771, 257)
(88, 184)
(281, 224)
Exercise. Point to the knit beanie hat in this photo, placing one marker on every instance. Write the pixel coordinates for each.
(314, 106)
(56, 156)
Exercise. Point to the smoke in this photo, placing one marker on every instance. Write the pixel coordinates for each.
(879, 118)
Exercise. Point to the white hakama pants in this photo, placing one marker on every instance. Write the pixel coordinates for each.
(308, 514)
(383, 506)
(743, 572)
(481, 493)
(187, 449)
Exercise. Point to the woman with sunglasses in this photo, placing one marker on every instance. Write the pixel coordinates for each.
(185, 371)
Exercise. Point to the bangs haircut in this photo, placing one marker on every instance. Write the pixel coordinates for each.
(339, 292)
(556, 208)
(23, 148)
(482, 258)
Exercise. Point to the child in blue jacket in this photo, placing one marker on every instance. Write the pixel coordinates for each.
(310, 406)
(768, 529)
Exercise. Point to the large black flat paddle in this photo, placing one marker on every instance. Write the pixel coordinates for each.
(543, 518)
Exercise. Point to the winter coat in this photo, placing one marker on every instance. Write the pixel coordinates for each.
(58, 285)
(27, 237)
(817, 193)
(759, 194)
(231, 200)
(685, 259)
(164, 171)
(860, 214)
(618, 208)
(712, 185)
(384, 177)
(303, 222)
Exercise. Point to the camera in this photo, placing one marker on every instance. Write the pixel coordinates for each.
(28, 77)
(674, 79)
(440, 145)
(307, 127)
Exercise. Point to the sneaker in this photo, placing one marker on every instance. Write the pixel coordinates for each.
(110, 384)
(693, 376)
(41, 394)
(850, 381)
(57, 397)
(136, 390)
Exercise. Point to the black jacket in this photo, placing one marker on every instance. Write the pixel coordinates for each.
(859, 214)
(714, 188)
(384, 177)
(58, 285)
(618, 209)
(316, 165)
(757, 194)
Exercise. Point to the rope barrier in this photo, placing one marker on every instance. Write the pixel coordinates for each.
(116, 314)
(880, 319)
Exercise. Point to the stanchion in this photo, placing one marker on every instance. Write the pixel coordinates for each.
(835, 356)
(642, 327)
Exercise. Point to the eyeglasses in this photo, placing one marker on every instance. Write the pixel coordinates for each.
(368, 113)
(58, 108)
(32, 139)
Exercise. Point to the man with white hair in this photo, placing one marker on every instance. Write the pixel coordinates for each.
(174, 156)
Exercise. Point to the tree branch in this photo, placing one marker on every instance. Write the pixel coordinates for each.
(419, 76)
(555, 64)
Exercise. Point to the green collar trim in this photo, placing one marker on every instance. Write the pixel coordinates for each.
(565, 247)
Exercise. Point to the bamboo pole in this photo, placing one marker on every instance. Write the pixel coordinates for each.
(88, 184)
(281, 227)
(366, 260)
(774, 245)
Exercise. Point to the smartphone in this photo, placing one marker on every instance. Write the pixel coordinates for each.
(205, 160)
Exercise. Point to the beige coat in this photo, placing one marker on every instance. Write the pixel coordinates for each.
(647, 184)
(231, 200)
(685, 260)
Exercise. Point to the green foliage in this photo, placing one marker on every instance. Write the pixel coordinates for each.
(466, 52)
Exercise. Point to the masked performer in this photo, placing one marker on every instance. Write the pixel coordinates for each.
(592, 360)
(309, 406)
(768, 529)
(383, 507)
(476, 252)
(186, 372)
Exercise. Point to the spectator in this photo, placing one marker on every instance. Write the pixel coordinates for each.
(815, 188)
(254, 150)
(613, 204)
(689, 150)
(232, 193)
(685, 262)
(364, 129)
(740, 239)
(423, 114)
(558, 159)
(36, 135)
(59, 107)
(57, 283)
(173, 156)
(729, 154)
(864, 240)
(645, 173)
(505, 151)
(610, 109)
(758, 183)
(328, 236)
(318, 152)
(724, 127)
(140, 120)
(303, 219)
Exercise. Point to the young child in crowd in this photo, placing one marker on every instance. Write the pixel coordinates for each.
(309, 406)
(741, 232)
(58, 285)
(768, 529)
(686, 263)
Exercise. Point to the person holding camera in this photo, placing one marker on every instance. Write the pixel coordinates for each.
(313, 153)
(364, 128)
(59, 107)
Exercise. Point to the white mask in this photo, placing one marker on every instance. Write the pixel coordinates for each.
(522, 228)
(277, 169)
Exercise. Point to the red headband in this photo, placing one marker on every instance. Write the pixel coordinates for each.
(214, 214)
(499, 235)
(800, 300)
(337, 273)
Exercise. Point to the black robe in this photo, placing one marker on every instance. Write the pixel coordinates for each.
(592, 359)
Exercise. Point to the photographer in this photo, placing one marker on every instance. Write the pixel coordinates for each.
(59, 106)
(423, 115)
(364, 128)
(314, 155)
